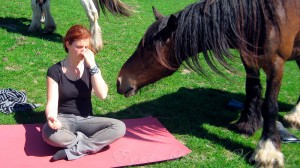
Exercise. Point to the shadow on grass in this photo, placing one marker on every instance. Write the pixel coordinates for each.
(21, 25)
(32, 117)
(33, 135)
(185, 112)
(188, 110)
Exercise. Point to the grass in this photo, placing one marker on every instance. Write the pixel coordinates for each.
(191, 108)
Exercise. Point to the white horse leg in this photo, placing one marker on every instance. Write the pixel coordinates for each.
(96, 4)
(267, 156)
(35, 24)
(96, 33)
(293, 117)
(49, 21)
(93, 15)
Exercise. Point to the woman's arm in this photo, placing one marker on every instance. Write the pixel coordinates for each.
(99, 85)
(52, 104)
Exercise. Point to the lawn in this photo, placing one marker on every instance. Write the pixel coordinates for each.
(192, 108)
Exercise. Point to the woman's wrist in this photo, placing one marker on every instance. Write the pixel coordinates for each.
(94, 70)
(50, 118)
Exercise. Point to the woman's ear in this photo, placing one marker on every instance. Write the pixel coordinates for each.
(67, 44)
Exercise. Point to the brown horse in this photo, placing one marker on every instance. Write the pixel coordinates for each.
(265, 32)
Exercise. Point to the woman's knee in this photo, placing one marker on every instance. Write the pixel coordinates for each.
(120, 128)
(57, 138)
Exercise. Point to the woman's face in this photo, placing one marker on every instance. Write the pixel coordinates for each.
(77, 47)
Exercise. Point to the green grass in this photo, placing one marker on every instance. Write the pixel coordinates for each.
(191, 108)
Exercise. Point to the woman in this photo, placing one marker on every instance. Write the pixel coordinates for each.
(70, 123)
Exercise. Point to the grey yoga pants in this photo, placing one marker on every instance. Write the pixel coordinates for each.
(81, 136)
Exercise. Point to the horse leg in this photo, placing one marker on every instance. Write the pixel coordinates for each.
(35, 24)
(92, 13)
(251, 119)
(49, 21)
(43, 18)
(96, 4)
(293, 117)
(267, 153)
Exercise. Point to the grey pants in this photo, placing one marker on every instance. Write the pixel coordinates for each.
(83, 135)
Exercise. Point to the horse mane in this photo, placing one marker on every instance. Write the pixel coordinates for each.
(213, 27)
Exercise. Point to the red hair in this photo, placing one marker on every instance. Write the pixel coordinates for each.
(76, 32)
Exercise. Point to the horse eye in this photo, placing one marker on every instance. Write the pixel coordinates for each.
(148, 46)
(161, 42)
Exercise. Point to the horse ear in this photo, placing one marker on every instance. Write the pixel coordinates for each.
(157, 14)
(167, 31)
(172, 23)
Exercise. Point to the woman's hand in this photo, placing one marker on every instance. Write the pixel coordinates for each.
(54, 123)
(89, 58)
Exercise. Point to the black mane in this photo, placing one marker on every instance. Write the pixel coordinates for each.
(214, 26)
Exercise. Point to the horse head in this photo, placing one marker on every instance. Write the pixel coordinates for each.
(153, 58)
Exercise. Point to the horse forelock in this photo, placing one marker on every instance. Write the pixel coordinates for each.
(151, 38)
(214, 26)
(153, 30)
(148, 38)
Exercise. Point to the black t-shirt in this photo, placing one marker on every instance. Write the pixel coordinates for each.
(74, 96)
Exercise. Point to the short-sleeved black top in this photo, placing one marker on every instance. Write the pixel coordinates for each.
(74, 96)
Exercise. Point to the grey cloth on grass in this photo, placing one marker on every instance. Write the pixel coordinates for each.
(14, 101)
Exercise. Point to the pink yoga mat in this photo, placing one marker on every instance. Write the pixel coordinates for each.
(146, 141)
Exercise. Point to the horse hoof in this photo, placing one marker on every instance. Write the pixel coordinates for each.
(267, 156)
(245, 128)
(34, 29)
(293, 120)
(293, 117)
(97, 47)
(49, 30)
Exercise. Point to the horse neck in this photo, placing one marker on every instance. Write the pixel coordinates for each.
(206, 27)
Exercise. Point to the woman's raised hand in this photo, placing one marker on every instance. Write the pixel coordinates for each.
(89, 58)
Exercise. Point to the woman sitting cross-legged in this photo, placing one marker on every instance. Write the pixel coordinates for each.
(70, 123)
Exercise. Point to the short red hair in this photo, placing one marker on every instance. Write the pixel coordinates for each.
(76, 32)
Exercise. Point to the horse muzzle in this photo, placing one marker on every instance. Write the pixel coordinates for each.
(125, 88)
